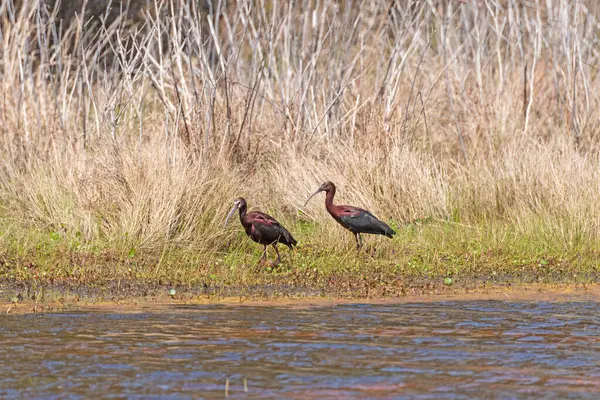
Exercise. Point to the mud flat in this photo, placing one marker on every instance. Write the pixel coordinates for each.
(22, 299)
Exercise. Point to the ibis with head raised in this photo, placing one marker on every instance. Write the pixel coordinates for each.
(356, 220)
(262, 228)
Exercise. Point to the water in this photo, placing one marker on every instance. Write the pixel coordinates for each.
(453, 350)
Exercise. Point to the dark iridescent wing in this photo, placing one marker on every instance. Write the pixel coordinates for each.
(354, 212)
(270, 228)
(349, 211)
(260, 218)
(361, 220)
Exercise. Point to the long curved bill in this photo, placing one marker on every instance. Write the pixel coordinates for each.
(235, 206)
(311, 196)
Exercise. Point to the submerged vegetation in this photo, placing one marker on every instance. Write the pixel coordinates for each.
(470, 127)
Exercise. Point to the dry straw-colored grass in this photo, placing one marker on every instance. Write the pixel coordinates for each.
(482, 113)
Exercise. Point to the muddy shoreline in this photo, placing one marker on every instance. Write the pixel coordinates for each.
(28, 297)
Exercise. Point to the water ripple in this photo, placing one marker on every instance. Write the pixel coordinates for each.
(451, 349)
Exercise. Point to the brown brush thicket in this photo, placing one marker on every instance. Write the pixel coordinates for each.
(143, 132)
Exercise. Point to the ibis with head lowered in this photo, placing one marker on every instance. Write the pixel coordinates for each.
(262, 228)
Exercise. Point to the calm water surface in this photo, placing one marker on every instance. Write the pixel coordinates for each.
(453, 350)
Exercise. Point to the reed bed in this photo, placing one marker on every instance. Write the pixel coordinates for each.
(471, 126)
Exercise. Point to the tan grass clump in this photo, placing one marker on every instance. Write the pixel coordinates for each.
(478, 112)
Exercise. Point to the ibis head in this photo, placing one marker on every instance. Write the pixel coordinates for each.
(326, 187)
(238, 203)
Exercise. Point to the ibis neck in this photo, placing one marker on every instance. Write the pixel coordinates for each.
(243, 208)
(329, 200)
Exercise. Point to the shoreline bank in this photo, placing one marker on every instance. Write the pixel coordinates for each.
(15, 298)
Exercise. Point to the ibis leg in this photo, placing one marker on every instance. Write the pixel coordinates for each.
(358, 241)
(264, 254)
(277, 251)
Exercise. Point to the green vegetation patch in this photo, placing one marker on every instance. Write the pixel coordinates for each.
(424, 257)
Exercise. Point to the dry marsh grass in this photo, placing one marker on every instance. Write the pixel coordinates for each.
(478, 119)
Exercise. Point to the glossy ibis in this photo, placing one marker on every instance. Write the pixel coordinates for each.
(355, 219)
(262, 228)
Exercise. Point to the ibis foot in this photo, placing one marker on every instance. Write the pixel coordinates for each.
(264, 264)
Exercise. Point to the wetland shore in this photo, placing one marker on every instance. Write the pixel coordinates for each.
(121, 159)
(24, 298)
